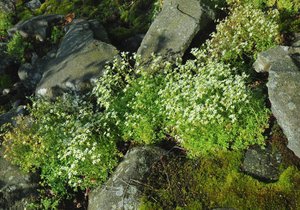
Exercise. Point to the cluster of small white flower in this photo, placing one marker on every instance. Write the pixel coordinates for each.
(194, 97)
(71, 135)
(208, 95)
(114, 79)
(246, 31)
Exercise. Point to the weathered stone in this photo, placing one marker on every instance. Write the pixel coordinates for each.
(16, 188)
(14, 93)
(123, 189)
(38, 27)
(30, 74)
(33, 4)
(267, 58)
(79, 59)
(283, 65)
(262, 163)
(98, 31)
(174, 28)
(296, 40)
(9, 116)
(8, 6)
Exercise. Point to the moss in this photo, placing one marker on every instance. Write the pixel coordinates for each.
(122, 18)
(57, 7)
(5, 81)
(216, 181)
(5, 23)
(22, 12)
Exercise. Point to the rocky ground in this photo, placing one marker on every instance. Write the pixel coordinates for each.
(79, 58)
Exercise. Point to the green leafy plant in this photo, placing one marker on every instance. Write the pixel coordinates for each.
(130, 96)
(56, 34)
(16, 47)
(288, 11)
(243, 34)
(209, 107)
(66, 141)
(206, 106)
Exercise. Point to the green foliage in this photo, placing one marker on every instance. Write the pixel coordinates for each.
(16, 47)
(132, 102)
(56, 34)
(66, 141)
(5, 81)
(288, 11)
(59, 7)
(206, 106)
(210, 108)
(122, 18)
(5, 23)
(44, 203)
(132, 17)
(243, 34)
(215, 181)
(22, 12)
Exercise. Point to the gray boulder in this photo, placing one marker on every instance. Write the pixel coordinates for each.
(33, 4)
(283, 65)
(80, 59)
(8, 6)
(296, 40)
(262, 163)
(38, 27)
(8, 117)
(123, 189)
(30, 74)
(17, 189)
(174, 28)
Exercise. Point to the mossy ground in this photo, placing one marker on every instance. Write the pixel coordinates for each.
(217, 181)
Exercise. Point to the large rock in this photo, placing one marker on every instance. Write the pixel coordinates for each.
(174, 28)
(8, 117)
(79, 59)
(123, 189)
(31, 74)
(38, 27)
(8, 6)
(16, 188)
(33, 4)
(262, 163)
(282, 63)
